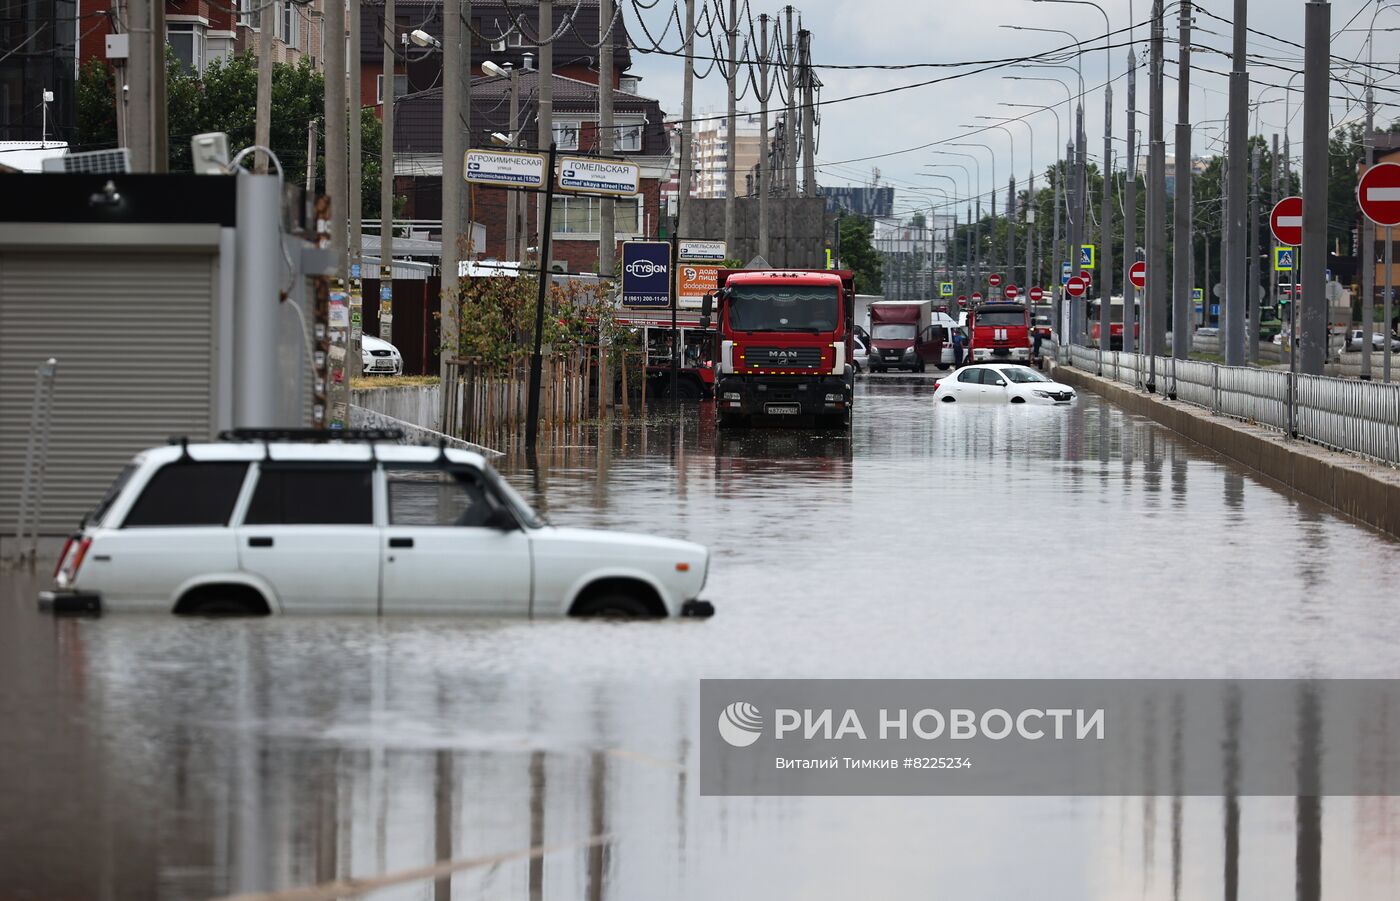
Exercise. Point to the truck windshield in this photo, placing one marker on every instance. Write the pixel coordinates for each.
(1001, 317)
(893, 331)
(784, 308)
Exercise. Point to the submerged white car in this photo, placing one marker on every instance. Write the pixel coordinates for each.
(1001, 383)
(260, 524)
(379, 357)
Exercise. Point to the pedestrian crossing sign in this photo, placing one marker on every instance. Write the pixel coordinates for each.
(945, 289)
(1198, 294)
(1283, 259)
(1086, 256)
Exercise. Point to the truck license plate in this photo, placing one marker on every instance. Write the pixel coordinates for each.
(783, 409)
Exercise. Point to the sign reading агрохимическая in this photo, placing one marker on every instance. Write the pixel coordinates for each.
(1048, 737)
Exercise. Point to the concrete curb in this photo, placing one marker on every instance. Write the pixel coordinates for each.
(362, 418)
(1367, 491)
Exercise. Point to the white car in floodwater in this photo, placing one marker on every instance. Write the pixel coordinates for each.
(1001, 383)
(280, 521)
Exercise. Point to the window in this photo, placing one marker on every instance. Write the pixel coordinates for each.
(188, 494)
(245, 9)
(566, 135)
(629, 138)
(436, 497)
(787, 308)
(580, 215)
(288, 23)
(629, 83)
(113, 491)
(400, 87)
(893, 331)
(187, 42)
(517, 39)
(312, 495)
(970, 376)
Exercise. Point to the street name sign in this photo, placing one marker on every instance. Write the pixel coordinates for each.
(702, 251)
(506, 169)
(598, 176)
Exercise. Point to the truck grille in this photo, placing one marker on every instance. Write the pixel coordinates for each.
(783, 357)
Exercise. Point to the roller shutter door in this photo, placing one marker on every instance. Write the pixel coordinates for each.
(134, 336)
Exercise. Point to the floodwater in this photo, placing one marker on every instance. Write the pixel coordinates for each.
(150, 757)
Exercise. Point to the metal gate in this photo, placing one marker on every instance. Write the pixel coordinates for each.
(135, 334)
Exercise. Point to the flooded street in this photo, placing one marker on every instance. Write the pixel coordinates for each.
(155, 757)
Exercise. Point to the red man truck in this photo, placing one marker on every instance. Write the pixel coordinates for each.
(784, 345)
(999, 332)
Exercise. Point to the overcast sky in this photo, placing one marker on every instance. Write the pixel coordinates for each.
(886, 32)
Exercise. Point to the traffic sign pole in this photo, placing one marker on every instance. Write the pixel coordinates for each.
(532, 413)
(1385, 345)
(1378, 194)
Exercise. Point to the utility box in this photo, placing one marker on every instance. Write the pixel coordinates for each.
(133, 284)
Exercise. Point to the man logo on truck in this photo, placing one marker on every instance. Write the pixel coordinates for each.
(782, 356)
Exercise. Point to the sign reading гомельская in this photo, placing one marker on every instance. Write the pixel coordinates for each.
(1049, 737)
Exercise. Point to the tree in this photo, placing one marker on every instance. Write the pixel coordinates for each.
(858, 253)
(97, 113)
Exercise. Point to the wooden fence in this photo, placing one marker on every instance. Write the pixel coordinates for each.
(489, 406)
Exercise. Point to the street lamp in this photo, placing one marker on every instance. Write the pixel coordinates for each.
(421, 38)
(491, 68)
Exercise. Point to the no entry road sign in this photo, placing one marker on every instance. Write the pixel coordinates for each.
(976, 296)
(1035, 294)
(1378, 192)
(1076, 287)
(1012, 292)
(994, 280)
(1286, 221)
(1137, 274)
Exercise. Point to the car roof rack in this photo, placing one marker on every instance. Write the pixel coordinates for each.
(311, 436)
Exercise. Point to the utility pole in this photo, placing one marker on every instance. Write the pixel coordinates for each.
(262, 113)
(1368, 243)
(1182, 321)
(1157, 194)
(607, 208)
(686, 130)
(1316, 54)
(790, 126)
(456, 112)
(545, 115)
(1237, 276)
(160, 137)
(1011, 229)
(354, 195)
(731, 170)
(809, 120)
(1252, 294)
(1029, 217)
(138, 126)
(1056, 289)
(1076, 225)
(764, 160)
(1106, 230)
(336, 181)
(310, 158)
(515, 203)
(1130, 223)
(1273, 273)
(389, 36)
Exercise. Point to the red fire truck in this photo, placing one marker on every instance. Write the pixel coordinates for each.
(784, 345)
(999, 332)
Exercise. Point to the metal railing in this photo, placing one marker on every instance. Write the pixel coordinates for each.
(1343, 414)
(36, 457)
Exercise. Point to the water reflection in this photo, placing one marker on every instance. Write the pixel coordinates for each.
(150, 757)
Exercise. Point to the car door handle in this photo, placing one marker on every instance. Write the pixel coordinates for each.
(400, 542)
(260, 542)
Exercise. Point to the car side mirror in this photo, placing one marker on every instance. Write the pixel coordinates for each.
(707, 308)
(500, 518)
(999, 383)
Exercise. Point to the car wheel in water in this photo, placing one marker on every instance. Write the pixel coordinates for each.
(949, 399)
(943, 367)
(613, 606)
(1018, 400)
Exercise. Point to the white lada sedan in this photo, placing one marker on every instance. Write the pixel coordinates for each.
(1001, 383)
(284, 522)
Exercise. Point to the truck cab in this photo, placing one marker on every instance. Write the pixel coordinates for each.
(785, 346)
(902, 336)
(1000, 333)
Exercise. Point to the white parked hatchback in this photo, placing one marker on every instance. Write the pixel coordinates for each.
(258, 523)
(1001, 383)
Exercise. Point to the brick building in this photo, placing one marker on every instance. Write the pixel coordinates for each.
(639, 132)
